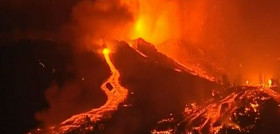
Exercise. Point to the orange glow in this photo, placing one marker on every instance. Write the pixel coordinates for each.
(247, 82)
(269, 83)
(217, 29)
(156, 25)
(140, 28)
(202, 25)
(105, 51)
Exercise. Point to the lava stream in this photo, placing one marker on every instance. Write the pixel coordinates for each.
(116, 94)
(222, 113)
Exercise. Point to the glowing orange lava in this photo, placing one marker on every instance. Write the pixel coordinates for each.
(116, 94)
(222, 113)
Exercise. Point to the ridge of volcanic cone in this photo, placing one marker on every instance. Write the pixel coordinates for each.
(144, 46)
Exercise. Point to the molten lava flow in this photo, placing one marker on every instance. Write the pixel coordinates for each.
(222, 114)
(141, 46)
(116, 94)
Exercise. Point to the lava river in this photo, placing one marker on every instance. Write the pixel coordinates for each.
(116, 94)
(237, 112)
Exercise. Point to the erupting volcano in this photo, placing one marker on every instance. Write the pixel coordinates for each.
(233, 109)
(140, 67)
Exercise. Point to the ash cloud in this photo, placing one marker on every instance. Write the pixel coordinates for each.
(95, 21)
(240, 37)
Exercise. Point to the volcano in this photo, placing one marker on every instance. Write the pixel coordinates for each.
(148, 92)
(154, 82)
(139, 67)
